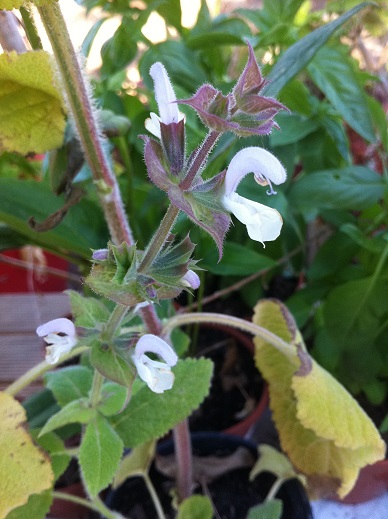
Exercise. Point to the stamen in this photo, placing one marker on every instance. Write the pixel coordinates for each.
(270, 191)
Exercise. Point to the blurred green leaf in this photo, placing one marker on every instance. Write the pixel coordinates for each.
(293, 127)
(221, 31)
(354, 187)
(333, 73)
(237, 260)
(82, 229)
(296, 57)
(181, 64)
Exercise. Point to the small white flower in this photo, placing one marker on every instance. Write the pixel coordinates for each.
(59, 344)
(263, 223)
(191, 279)
(157, 375)
(165, 97)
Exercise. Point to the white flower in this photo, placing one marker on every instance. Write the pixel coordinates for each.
(165, 97)
(157, 375)
(263, 223)
(59, 344)
(191, 279)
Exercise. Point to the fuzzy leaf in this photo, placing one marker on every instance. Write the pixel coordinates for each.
(74, 412)
(323, 430)
(136, 463)
(195, 507)
(99, 454)
(113, 397)
(113, 364)
(15, 4)
(88, 312)
(31, 108)
(55, 446)
(271, 460)
(37, 507)
(70, 383)
(150, 415)
(24, 469)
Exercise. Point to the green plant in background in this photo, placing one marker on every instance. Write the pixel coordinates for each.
(99, 167)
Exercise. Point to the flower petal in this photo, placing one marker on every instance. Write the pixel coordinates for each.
(191, 279)
(265, 166)
(263, 223)
(61, 325)
(153, 344)
(164, 94)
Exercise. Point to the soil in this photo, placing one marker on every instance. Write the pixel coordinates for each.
(236, 386)
(232, 494)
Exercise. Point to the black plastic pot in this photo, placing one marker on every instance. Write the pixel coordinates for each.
(232, 493)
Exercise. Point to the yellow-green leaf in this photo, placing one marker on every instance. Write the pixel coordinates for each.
(15, 4)
(24, 469)
(321, 427)
(32, 112)
(136, 463)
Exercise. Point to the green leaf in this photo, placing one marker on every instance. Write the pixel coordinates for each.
(181, 63)
(136, 463)
(53, 444)
(82, 229)
(195, 507)
(292, 129)
(99, 455)
(39, 407)
(113, 364)
(334, 75)
(296, 57)
(113, 398)
(355, 187)
(74, 412)
(269, 510)
(37, 507)
(150, 415)
(237, 260)
(89, 312)
(222, 31)
(32, 111)
(119, 50)
(70, 383)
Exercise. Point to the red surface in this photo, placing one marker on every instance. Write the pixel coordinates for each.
(371, 483)
(19, 280)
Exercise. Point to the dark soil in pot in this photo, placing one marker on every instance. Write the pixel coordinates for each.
(232, 493)
(237, 387)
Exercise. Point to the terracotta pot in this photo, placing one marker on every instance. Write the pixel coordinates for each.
(371, 483)
(62, 509)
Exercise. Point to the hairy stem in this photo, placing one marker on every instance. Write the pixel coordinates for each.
(159, 238)
(37, 371)
(184, 460)
(199, 159)
(78, 97)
